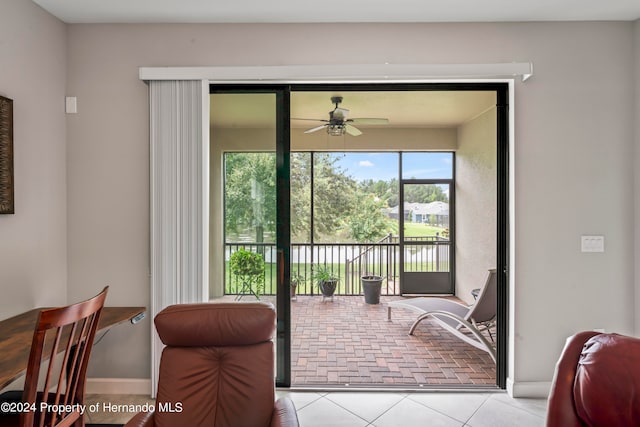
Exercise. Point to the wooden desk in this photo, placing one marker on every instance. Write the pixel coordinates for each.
(16, 334)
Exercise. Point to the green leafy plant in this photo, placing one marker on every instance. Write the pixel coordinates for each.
(249, 268)
(322, 273)
(325, 279)
(297, 278)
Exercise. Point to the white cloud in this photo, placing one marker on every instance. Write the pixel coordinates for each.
(365, 163)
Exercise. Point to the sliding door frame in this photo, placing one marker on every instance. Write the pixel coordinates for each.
(283, 223)
(503, 203)
(283, 148)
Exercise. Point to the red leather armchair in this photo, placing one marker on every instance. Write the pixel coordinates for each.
(217, 368)
(596, 382)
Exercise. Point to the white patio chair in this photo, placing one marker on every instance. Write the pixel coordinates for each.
(467, 323)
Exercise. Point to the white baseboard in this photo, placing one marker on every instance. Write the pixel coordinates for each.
(537, 389)
(118, 386)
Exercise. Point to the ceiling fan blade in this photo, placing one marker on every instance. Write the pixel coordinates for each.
(352, 130)
(369, 121)
(310, 120)
(315, 129)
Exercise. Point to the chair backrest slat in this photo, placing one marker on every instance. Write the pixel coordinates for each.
(75, 327)
(486, 306)
(65, 362)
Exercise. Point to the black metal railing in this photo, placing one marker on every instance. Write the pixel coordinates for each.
(348, 261)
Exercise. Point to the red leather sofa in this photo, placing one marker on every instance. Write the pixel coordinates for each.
(596, 382)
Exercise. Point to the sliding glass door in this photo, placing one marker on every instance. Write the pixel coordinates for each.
(252, 132)
(250, 145)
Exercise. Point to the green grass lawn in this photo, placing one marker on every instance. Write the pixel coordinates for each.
(412, 229)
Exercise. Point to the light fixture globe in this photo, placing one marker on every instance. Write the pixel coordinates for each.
(336, 130)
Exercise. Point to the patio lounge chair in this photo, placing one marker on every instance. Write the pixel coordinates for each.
(465, 322)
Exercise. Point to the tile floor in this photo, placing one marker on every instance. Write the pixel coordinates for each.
(393, 409)
(387, 409)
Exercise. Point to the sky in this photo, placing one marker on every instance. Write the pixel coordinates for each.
(384, 166)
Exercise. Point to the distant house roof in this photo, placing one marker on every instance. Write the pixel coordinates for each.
(433, 208)
(394, 210)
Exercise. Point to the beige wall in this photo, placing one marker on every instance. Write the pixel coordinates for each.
(476, 203)
(558, 153)
(33, 249)
(574, 136)
(573, 163)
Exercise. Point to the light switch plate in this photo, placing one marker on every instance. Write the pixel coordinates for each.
(592, 244)
(71, 105)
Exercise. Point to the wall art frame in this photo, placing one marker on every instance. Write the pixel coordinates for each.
(7, 203)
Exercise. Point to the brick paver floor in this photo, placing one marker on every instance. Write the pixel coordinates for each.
(346, 341)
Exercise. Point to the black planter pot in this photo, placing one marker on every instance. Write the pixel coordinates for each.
(372, 287)
(328, 288)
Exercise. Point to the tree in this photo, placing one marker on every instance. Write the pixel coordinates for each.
(424, 193)
(367, 223)
(300, 196)
(250, 192)
(333, 195)
(386, 191)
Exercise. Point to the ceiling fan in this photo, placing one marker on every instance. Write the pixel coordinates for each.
(338, 123)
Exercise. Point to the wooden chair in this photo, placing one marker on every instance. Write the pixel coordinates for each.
(61, 347)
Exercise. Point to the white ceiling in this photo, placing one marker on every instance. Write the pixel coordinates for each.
(402, 108)
(301, 11)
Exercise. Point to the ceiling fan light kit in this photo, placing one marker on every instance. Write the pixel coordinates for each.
(336, 130)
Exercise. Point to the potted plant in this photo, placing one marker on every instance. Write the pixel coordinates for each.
(372, 287)
(326, 281)
(296, 279)
(248, 267)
